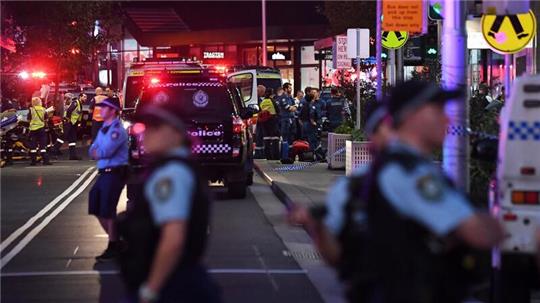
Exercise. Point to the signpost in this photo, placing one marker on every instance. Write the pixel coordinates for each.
(405, 15)
(358, 48)
(339, 53)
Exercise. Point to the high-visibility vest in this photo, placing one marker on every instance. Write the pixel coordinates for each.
(268, 105)
(96, 114)
(76, 113)
(38, 117)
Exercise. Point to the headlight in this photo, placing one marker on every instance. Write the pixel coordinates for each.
(126, 124)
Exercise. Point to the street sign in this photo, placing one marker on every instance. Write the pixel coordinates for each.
(339, 53)
(505, 7)
(394, 40)
(508, 34)
(357, 43)
(413, 52)
(405, 15)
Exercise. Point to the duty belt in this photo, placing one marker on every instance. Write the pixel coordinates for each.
(115, 169)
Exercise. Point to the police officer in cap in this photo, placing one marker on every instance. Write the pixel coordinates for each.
(287, 108)
(110, 149)
(175, 202)
(420, 226)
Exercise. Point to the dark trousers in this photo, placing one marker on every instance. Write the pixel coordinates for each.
(310, 131)
(286, 128)
(70, 135)
(96, 126)
(259, 141)
(38, 143)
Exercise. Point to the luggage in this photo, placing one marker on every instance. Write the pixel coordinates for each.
(286, 157)
(271, 149)
(301, 148)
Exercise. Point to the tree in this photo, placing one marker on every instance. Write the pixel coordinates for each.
(342, 15)
(65, 39)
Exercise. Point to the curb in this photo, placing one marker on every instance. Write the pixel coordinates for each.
(280, 193)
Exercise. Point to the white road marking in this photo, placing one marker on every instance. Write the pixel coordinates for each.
(42, 212)
(115, 272)
(34, 232)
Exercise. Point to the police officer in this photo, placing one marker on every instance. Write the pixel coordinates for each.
(312, 127)
(37, 115)
(304, 108)
(419, 224)
(72, 118)
(8, 110)
(337, 109)
(338, 227)
(110, 149)
(286, 113)
(97, 120)
(175, 200)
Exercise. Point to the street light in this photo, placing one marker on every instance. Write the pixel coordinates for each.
(24, 75)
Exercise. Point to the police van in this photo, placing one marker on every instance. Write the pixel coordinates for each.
(214, 116)
(249, 77)
(518, 171)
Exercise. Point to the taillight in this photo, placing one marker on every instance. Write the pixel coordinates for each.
(525, 197)
(528, 171)
(238, 125)
(510, 217)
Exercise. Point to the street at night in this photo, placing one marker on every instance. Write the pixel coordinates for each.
(370, 151)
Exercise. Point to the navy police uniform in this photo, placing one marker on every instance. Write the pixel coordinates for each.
(286, 117)
(315, 114)
(336, 109)
(111, 148)
(174, 190)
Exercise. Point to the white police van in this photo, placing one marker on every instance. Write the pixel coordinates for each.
(518, 171)
(248, 78)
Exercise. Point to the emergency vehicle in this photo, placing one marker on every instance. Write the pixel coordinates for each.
(248, 78)
(518, 171)
(214, 115)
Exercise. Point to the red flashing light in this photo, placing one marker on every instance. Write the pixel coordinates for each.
(154, 80)
(75, 51)
(138, 128)
(510, 217)
(528, 171)
(238, 125)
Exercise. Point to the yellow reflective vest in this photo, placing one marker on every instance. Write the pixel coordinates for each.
(76, 113)
(38, 117)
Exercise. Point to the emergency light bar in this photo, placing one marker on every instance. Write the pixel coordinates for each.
(525, 197)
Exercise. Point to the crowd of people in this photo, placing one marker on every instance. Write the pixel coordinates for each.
(47, 131)
(300, 117)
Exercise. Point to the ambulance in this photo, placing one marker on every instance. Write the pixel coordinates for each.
(518, 171)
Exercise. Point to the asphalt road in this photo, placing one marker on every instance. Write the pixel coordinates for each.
(51, 259)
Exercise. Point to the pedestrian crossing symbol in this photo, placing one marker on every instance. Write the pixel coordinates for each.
(394, 40)
(508, 34)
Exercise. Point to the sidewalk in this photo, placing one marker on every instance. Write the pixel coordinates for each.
(305, 186)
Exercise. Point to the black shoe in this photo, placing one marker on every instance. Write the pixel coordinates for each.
(108, 255)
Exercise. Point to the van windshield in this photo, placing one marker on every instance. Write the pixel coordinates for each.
(134, 85)
(201, 100)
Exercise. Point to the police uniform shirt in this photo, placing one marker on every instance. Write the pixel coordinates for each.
(336, 200)
(285, 102)
(111, 145)
(423, 195)
(315, 111)
(170, 189)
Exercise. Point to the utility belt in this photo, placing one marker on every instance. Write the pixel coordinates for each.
(114, 170)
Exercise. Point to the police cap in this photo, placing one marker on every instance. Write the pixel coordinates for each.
(112, 102)
(411, 95)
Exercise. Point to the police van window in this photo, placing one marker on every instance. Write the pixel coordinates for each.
(244, 82)
(134, 85)
(199, 99)
(269, 83)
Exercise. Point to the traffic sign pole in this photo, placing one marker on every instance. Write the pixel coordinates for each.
(508, 58)
(454, 76)
(399, 65)
(378, 46)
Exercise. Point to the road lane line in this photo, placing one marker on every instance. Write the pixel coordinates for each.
(34, 232)
(43, 211)
(116, 272)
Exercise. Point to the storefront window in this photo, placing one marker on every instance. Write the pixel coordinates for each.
(310, 77)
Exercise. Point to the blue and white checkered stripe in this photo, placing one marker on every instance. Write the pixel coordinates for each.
(211, 149)
(524, 130)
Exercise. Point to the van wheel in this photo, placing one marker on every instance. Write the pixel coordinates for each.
(237, 190)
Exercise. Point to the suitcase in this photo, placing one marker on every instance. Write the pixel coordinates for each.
(301, 148)
(271, 149)
(286, 157)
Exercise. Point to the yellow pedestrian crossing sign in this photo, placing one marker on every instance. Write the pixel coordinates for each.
(508, 34)
(394, 40)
